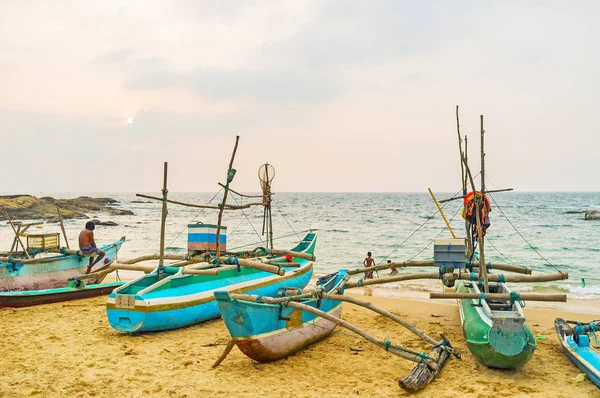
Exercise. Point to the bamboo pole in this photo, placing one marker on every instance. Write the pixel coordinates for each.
(464, 276)
(150, 268)
(163, 220)
(462, 167)
(304, 256)
(464, 178)
(442, 213)
(360, 332)
(482, 155)
(463, 196)
(62, 226)
(562, 298)
(16, 234)
(229, 178)
(383, 312)
(227, 207)
(241, 194)
(428, 263)
(478, 207)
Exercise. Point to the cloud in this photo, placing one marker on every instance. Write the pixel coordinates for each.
(264, 85)
(118, 56)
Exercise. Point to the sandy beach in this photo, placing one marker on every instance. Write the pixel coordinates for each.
(69, 349)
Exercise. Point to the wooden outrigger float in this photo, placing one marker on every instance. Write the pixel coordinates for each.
(271, 328)
(174, 296)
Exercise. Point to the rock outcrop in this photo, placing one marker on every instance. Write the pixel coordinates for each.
(592, 215)
(27, 207)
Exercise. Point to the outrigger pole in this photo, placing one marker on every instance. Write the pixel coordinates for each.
(230, 175)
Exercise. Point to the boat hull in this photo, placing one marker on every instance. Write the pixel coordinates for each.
(37, 297)
(53, 273)
(268, 332)
(151, 303)
(498, 340)
(584, 357)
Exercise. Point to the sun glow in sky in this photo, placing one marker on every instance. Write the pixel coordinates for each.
(338, 95)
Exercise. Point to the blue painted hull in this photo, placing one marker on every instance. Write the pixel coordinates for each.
(586, 358)
(268, 332)
(151, 303)
(53, 273)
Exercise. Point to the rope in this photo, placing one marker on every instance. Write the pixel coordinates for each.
(241, 222)
(417, 230)
(517, 231)
(202, 211)
(256, 243)
(438, 235)
(514, 298)
(282, 215)
(249, 222)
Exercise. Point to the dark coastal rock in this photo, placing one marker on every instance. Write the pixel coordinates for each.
(592, 215)
(105, 223)
(574, 212)
(27, 207)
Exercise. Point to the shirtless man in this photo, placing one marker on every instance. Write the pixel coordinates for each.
(369, 262)
(87, 245)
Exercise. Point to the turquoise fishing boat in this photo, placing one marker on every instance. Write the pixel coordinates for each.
(51, 271)
(575, 343)
(268, 332)
(169, 299)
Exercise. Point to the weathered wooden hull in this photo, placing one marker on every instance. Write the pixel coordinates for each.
(586, 358)
(499, 339)
(37, 297)
(53, 273)
(177, 300)
(268, 332)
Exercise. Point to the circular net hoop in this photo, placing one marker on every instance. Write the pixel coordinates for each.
(266, 174)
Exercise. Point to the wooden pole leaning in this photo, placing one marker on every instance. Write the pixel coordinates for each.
(62, 226)
(227, 207)
(442, 213)
(163, 220)
(562, 298)
(150, 268)
(222, 207)
(349, 326)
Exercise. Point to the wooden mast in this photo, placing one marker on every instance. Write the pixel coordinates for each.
(163, 220)
(482, 267)
(463, 178)
(62, 227)
(230, 175)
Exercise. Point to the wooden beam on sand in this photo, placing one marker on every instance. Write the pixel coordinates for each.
(562, 298)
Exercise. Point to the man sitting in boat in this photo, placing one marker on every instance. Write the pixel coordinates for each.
(87, 245)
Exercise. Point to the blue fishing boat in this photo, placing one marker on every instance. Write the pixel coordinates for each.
(268, 332)
(166, 298)
(575, 343)
(51, 272)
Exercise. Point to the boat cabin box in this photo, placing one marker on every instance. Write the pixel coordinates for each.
(43, 241)
(450, 253)
(203, 237)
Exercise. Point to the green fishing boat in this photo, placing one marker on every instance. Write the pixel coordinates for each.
(495, 330)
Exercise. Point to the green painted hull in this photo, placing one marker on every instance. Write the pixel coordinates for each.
(499, 339)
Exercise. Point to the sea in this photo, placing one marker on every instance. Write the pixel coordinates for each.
(544, 231)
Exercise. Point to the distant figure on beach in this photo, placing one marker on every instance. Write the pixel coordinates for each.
(87, 245)
(369, 262)
(394, 270)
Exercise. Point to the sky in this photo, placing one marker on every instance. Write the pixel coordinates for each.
(340, 95)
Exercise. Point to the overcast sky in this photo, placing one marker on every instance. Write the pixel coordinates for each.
(337, 95)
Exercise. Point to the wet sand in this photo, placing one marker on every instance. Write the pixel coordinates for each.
(69, 349)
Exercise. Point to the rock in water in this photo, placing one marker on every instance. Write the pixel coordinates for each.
(592, 215)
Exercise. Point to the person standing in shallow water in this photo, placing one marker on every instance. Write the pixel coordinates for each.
(87, 245)
(369, 262)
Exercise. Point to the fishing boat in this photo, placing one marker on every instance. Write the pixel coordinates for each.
(575, 343)
(268, 332)
(75, 290)
(166, 298)
(491, 313)
(170, 297)
(50, 271)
